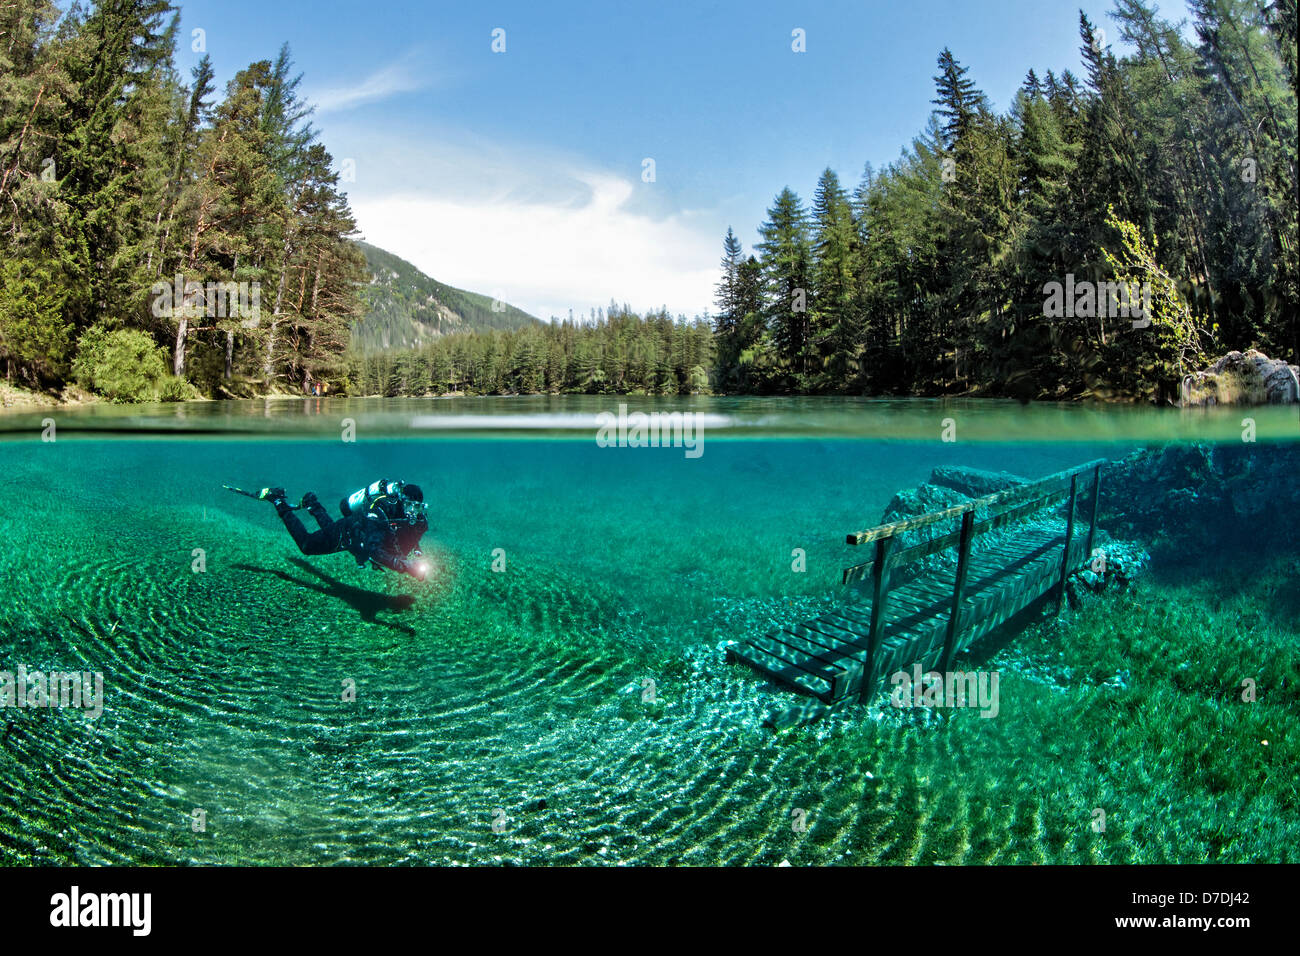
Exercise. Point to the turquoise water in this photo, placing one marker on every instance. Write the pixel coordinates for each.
(499, 714)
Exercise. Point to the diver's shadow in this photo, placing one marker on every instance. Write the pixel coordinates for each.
(366, 603)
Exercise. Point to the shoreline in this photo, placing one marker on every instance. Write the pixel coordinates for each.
(19, 400)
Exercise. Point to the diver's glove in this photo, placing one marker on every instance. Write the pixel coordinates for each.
(273, 495)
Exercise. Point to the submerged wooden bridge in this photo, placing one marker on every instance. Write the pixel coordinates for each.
(936, 614)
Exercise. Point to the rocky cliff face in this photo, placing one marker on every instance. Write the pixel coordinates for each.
(1249, 378)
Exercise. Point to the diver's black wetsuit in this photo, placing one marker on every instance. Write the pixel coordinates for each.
(368, 537)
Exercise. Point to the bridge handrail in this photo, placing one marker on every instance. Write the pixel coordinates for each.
(1005, 497)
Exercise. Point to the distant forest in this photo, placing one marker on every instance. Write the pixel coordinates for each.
(618, 352)
(160, 241)
(1173, 166)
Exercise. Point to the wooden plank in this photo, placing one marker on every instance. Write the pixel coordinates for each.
(793, 639)
(1092, 517)
(934, 545)
(855, 614)
(794, 657)
(910, 524)
(856, 573)
(775, 661)
(926, 548)
(880, 592)
(1065, 553)
(855, 626)
(1031, 507)
(959, 585)
(778, 669)
(827, 645)
(853, 643)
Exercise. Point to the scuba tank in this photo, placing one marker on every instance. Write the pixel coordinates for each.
(363, 499)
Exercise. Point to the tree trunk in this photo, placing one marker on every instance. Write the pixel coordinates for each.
(230, 352)
(18, 154)
(178, 364)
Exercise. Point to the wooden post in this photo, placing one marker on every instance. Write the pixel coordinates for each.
(879, 593)
(1069, 535)
(1092, 522)
(959, 585)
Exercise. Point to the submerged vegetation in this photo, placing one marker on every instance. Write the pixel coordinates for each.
(525, 690)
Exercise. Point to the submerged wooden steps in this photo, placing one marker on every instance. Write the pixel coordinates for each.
(850, 651)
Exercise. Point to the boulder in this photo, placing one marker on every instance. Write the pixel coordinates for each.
(1249, 378)
(921, 500)
(933, 496)
(974, 482)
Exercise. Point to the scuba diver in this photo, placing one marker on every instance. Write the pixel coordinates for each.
(381, 525)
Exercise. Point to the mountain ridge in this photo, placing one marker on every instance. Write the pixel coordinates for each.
(406, 307)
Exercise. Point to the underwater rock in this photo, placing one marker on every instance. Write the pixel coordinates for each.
(1250, 378)
(918, 501)
(1199, 496)
(938, 494)
(1113, 563)
(974, 482)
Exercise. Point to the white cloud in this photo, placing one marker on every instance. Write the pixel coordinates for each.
(546, 250)
(395, 78)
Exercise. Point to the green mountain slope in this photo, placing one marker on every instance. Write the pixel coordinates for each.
(406, 307)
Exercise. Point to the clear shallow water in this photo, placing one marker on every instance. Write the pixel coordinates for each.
(516, 696)
(576, 416)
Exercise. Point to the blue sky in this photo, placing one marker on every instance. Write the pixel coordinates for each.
(520, 174)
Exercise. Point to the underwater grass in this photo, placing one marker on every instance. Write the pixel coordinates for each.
(1185, 770)
(522, 692)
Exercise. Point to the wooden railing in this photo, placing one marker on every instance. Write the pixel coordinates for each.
(999, 509)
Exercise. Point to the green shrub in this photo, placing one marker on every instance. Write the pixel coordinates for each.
(126, 366)
(31, 315)
(176, 389)
(90, 349)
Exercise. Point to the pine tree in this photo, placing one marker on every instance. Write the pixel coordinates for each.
(835, 327)
(785, 257)
(728, 286)
(958, 100)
